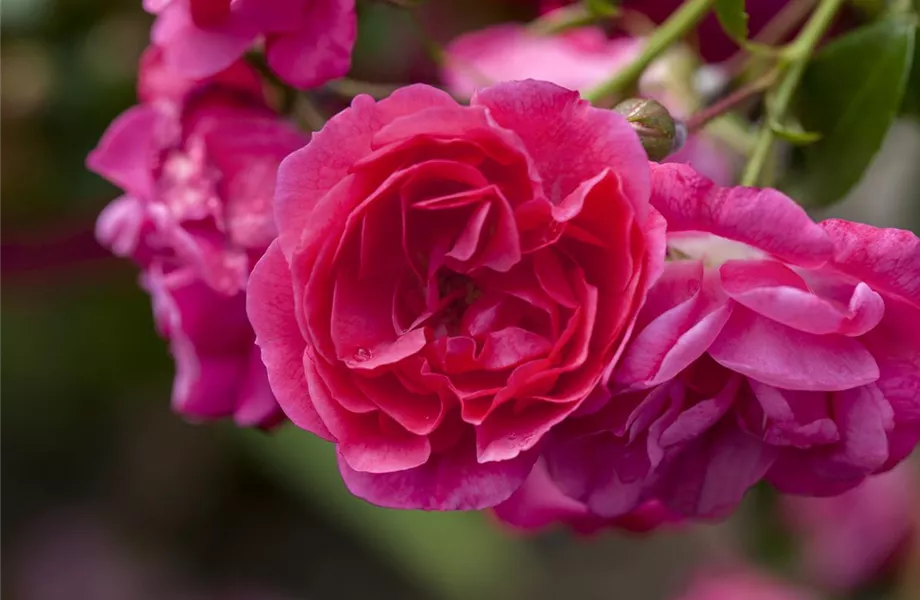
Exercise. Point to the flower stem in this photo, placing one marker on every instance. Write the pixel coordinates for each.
(701, 118)
(568, 17)
(796, 56)
(675, 27)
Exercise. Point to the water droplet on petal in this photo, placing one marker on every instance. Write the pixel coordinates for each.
(362, 354)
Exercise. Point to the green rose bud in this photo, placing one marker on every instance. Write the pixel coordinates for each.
(659, 134)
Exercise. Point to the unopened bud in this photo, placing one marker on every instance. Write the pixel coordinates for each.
(659, 134)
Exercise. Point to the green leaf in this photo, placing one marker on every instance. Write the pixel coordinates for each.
(911, 105)
(733, 18)
(602, 8)
(850, 94)
(794, 134)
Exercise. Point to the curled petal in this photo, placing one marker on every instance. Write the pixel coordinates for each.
(764, 219)
(778, 293)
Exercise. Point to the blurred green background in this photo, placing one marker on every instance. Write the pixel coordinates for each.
(109, 496)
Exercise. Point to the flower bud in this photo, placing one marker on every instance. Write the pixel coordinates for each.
(659, 134)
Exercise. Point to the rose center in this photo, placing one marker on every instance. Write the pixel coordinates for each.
(456, 293)
(187, 185)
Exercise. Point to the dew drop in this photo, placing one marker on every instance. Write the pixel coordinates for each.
(362, 354)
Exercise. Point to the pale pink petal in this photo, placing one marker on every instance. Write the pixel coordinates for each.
(741, 584)
(512, 52)
(120, 224)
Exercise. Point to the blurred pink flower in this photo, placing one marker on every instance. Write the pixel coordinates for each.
(451, 281)
(307, 42)
(852, 538)
(770, 348)
(741, 584)
(197, 161)
(578, 60)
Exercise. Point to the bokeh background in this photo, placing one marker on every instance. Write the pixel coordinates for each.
(109, 496)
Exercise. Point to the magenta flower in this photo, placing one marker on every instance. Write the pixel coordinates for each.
(450, 282)
(197, 162)
(738, 584)
(307, 42)
(770, 348)
(852, 538)
(579, 60)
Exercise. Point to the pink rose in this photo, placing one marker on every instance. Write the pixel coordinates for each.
(850, 539)
(741, 584)
(540, 503)
(449, 282)
(307, 42)
(198, 161)
(579, 59)
(770, 348)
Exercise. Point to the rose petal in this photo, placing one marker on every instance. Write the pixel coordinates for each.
(886, 259)
(450, 480)
(123, 154)
(591, 141)
(764, 219)
(787, 358)
(776, 292)
(305, 177)
(320, 49)
(270, 306)
(712, 476)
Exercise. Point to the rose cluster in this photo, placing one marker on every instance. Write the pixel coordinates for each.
(500, 303)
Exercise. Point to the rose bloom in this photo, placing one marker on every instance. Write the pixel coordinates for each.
(770, 348)
(581, 59)
(741, 584)
(450, 282)
(197, 161)
(849, 540)
(307, 42)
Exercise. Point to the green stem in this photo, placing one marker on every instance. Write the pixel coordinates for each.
(797, 55)
(566, 18)
(678, 24)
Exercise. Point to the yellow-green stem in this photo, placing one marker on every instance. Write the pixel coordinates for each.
(796, 55)
(674, 28)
